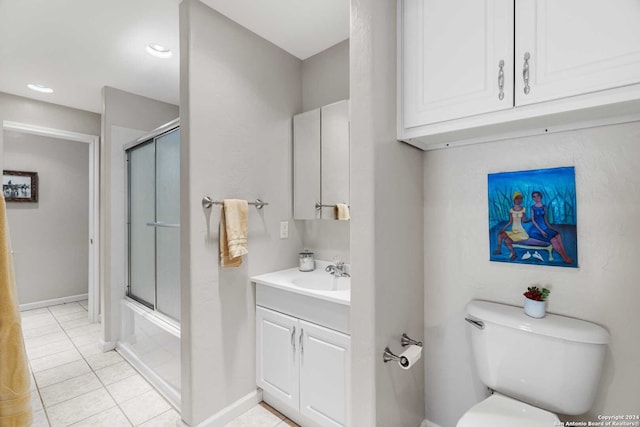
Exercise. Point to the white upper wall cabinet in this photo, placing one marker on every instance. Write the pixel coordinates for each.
(458, 59)
(320, 160)
(335, 156)
(306, 164)
(575, 63)
(576, 47)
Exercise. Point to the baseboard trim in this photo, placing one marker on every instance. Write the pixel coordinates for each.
(234, 410)
(50, 302)
(169, 392)
(427, 423)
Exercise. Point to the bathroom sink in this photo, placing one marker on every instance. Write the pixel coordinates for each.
(315, 296)
(317, 283)
(324, 282)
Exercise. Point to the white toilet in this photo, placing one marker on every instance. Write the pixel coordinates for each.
(535, 367)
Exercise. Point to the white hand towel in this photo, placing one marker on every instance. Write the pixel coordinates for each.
(342, 212)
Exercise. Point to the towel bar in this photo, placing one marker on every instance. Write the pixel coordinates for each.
(207, 202)
(320, 206)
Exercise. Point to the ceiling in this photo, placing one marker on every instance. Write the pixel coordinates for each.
(78, 46)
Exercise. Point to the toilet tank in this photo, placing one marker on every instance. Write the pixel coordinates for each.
(553, 363)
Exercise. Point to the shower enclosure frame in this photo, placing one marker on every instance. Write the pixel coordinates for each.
(136, 314)
(143, 140)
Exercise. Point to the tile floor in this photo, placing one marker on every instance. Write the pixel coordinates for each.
(76, 384)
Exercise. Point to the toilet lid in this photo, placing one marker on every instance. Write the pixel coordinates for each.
(503, 411)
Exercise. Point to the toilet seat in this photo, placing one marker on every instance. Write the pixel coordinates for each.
(502, 411)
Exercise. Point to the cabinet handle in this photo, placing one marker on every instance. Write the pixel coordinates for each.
(293, 340)
(301, 342)
(501, 79)
(525, 73)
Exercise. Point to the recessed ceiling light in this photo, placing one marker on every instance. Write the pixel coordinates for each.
(40, 88)
(159, 51)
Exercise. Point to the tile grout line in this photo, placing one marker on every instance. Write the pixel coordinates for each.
(74, 346)
(37, 390)
(33, 377)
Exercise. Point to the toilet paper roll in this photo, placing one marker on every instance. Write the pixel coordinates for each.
(410, 356)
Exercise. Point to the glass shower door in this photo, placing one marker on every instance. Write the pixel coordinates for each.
(168, 220)
(142, 264)
(154, 224)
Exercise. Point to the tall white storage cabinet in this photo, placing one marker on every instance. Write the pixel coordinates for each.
(320, 161)
(473, 71)
(303, 366)
(306, 164)
(335, 156)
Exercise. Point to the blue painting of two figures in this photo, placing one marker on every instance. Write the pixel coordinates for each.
(533, 217)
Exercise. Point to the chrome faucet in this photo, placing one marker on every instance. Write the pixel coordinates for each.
(338, 270)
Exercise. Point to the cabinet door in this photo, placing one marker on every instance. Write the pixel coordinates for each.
(451, 56)
(324, 375)
(277, 367)
(576, 47)
(335, 156)
(306, 164)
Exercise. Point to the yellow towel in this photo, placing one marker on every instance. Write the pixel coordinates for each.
(15, 392)
(342, 212)
(233, 232)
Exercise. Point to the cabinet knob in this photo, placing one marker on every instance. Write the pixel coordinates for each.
(525, 73)
(501, 79)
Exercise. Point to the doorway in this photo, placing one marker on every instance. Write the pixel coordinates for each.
(93, 212)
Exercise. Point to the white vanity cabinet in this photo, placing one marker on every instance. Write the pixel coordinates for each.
(304, 366)
(277, 358)
(324, 374)
(474, 71)
(320, 160)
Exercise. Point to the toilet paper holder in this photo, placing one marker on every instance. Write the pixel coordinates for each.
(405, 341)
(389, 356)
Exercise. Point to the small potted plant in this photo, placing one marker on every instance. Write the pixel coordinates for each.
(535, 301)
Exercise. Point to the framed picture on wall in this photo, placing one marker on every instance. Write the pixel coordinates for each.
(533, 217)
(19, 186)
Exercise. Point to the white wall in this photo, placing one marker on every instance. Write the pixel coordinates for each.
(386, 228)
(238, 95)
(325, 77)
(126, 116)
(325, 80)
(603, 290)
(29, 111)
(51, 237)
